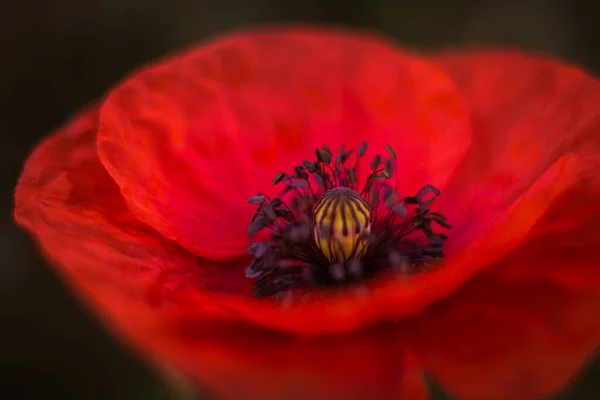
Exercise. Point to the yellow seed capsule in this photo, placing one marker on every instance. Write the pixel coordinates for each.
(341, 220)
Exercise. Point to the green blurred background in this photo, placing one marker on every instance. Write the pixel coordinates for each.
(58, 55)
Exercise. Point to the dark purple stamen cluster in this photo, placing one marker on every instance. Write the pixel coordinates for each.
(401, 237)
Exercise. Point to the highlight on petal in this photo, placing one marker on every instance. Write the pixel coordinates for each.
(149, 291)
(189, 139)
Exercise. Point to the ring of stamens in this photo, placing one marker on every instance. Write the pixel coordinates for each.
(324, 231)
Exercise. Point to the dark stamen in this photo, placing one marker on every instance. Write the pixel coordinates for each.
(333, 234)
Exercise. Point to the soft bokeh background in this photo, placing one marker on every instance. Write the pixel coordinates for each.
(58, 55)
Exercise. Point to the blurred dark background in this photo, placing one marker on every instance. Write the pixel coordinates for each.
(58, 55)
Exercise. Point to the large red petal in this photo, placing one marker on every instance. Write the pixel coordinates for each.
(145, 288)
(526, 113)
(189, 139)
(244, 362)
(497, 340)
(525, 326)
(67, 200)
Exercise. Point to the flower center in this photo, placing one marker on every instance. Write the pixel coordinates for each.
(326, 232)
(342, 221)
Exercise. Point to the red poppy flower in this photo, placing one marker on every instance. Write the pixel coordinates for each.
(141, 204)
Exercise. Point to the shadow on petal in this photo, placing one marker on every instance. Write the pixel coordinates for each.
(238, 361)
(493, 341)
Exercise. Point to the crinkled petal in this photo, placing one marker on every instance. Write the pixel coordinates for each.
(522, 328)
(66, 199)
(526, 113)
(189, 139)
(145, 288)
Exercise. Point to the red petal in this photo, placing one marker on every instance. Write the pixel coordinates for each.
(240, 362)
(496, 341)
(527, 324)
(546, 120)
(76, 212)
(146, 287)
(526, 113)
(188, 140)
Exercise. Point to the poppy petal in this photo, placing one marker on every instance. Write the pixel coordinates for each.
(495, 340)
(189, 139)
(264, 364)
(523, 328)
(66, 199)
(143, 286)
(549, 117)
(519, 130)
